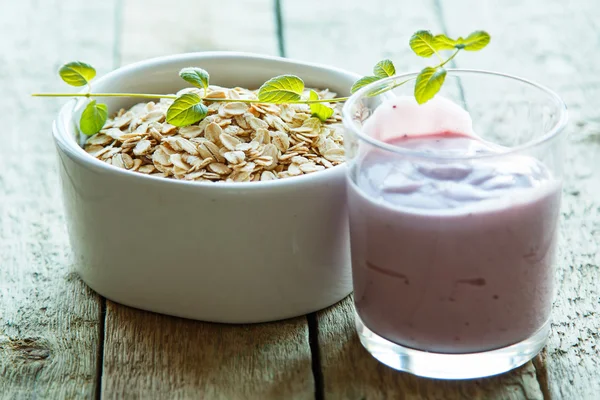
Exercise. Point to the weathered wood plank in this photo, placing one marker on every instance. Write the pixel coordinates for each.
(555, 43)
(150, 355)
(152, 28)
(349, 372)
(355, 35)
(49, 320)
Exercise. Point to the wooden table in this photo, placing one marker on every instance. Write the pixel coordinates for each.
(58, 339)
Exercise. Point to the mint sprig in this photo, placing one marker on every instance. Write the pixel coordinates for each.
(196, 76)
(384, 69)
(186, 110)
(443, 42)
(77, 73)
(281, 89)
(95, 114)
(319, 110)
(474, 42)
(424, 44)
(190, 108)
(364, 81)
(429, 82)
(93, 118)
(430, 79)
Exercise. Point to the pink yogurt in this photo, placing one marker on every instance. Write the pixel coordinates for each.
(449, 257)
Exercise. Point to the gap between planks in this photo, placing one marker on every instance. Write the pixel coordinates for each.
(101, 339)
(280, 28)
(348, 370)
(311, 319)
(315, 352)
(118, 18)
(147, 353)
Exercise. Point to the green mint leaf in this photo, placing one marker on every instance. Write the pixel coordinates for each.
(77, 73)
(187, 109)
(319, 110)
(281, 89)
(429, 82)
(196, 76)
(474, 42)
(93, 118)
(384, 69)
(364, 81)
(443, 42)
(422, 43)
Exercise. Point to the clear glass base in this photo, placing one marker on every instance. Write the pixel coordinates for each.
(451, 366)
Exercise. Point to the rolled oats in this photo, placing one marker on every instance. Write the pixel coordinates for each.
(190, 132)
(177, 161)
(281, 140)
(219, 168)
(142, 147)
(267, 176)
(236, 142)
(231, 109)
(235, 157)
(212, 133)
(335, 155)
(229, 141)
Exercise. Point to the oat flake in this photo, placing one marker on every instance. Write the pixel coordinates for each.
(236, 142)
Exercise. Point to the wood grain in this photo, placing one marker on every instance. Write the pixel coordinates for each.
(349, 371)
(49, 320)
(355, 36)
(148, 355)
(150, 28)
(556, 44)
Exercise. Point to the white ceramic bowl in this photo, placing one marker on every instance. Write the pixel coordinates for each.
(228, 252)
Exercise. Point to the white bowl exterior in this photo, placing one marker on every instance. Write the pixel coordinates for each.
(235, 253)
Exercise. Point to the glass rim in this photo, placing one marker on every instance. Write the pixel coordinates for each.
(553, 132)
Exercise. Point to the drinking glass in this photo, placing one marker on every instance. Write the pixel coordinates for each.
(456, 289)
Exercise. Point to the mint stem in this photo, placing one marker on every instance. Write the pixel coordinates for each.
(167, 96)
(139, 95)
(449, 58)
(338, 99)
(438, 56)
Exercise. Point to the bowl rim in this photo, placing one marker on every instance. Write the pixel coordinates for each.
(69, 145)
